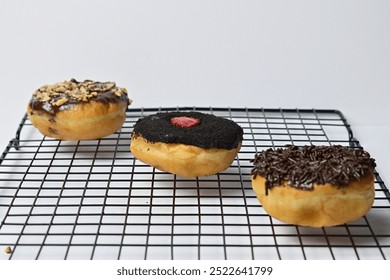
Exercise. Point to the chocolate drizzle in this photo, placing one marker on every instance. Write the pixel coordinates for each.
(211, 132)
(302, 167)
(52, 99)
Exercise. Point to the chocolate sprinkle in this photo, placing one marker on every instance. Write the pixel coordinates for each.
(212, 131)
(302, 167)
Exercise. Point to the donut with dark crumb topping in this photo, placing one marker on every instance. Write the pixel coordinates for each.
(314, 186)
(73, 110)
(188, 144)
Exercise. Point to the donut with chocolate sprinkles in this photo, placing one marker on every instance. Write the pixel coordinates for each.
(314, 186)
(188, 144)
(73, 110)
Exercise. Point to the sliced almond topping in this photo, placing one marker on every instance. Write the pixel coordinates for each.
(60, 93)
(61, 101)
(60, 89)
(109, 86)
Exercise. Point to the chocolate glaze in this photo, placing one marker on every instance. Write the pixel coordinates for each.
(302, 167)
(105, 97)
(212, 132)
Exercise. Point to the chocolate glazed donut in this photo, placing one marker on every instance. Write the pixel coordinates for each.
(189, 144)
(314, 185)
(73, 110)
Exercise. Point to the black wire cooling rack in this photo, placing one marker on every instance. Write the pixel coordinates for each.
(94, 200)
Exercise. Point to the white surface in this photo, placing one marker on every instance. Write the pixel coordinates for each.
(305, 54)
(86, 186)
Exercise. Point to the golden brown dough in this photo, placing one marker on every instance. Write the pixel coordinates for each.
(184, 160)
(323, 206)
(74, 110)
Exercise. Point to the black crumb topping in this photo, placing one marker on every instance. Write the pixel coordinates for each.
(304, 166)
(212, 131)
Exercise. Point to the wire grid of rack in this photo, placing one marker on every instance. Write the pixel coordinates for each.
(94, 200)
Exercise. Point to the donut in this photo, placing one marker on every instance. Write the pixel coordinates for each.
(73, 110)
(188, 144)
(315, 186)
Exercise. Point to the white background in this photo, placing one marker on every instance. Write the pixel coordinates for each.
(331, 54)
